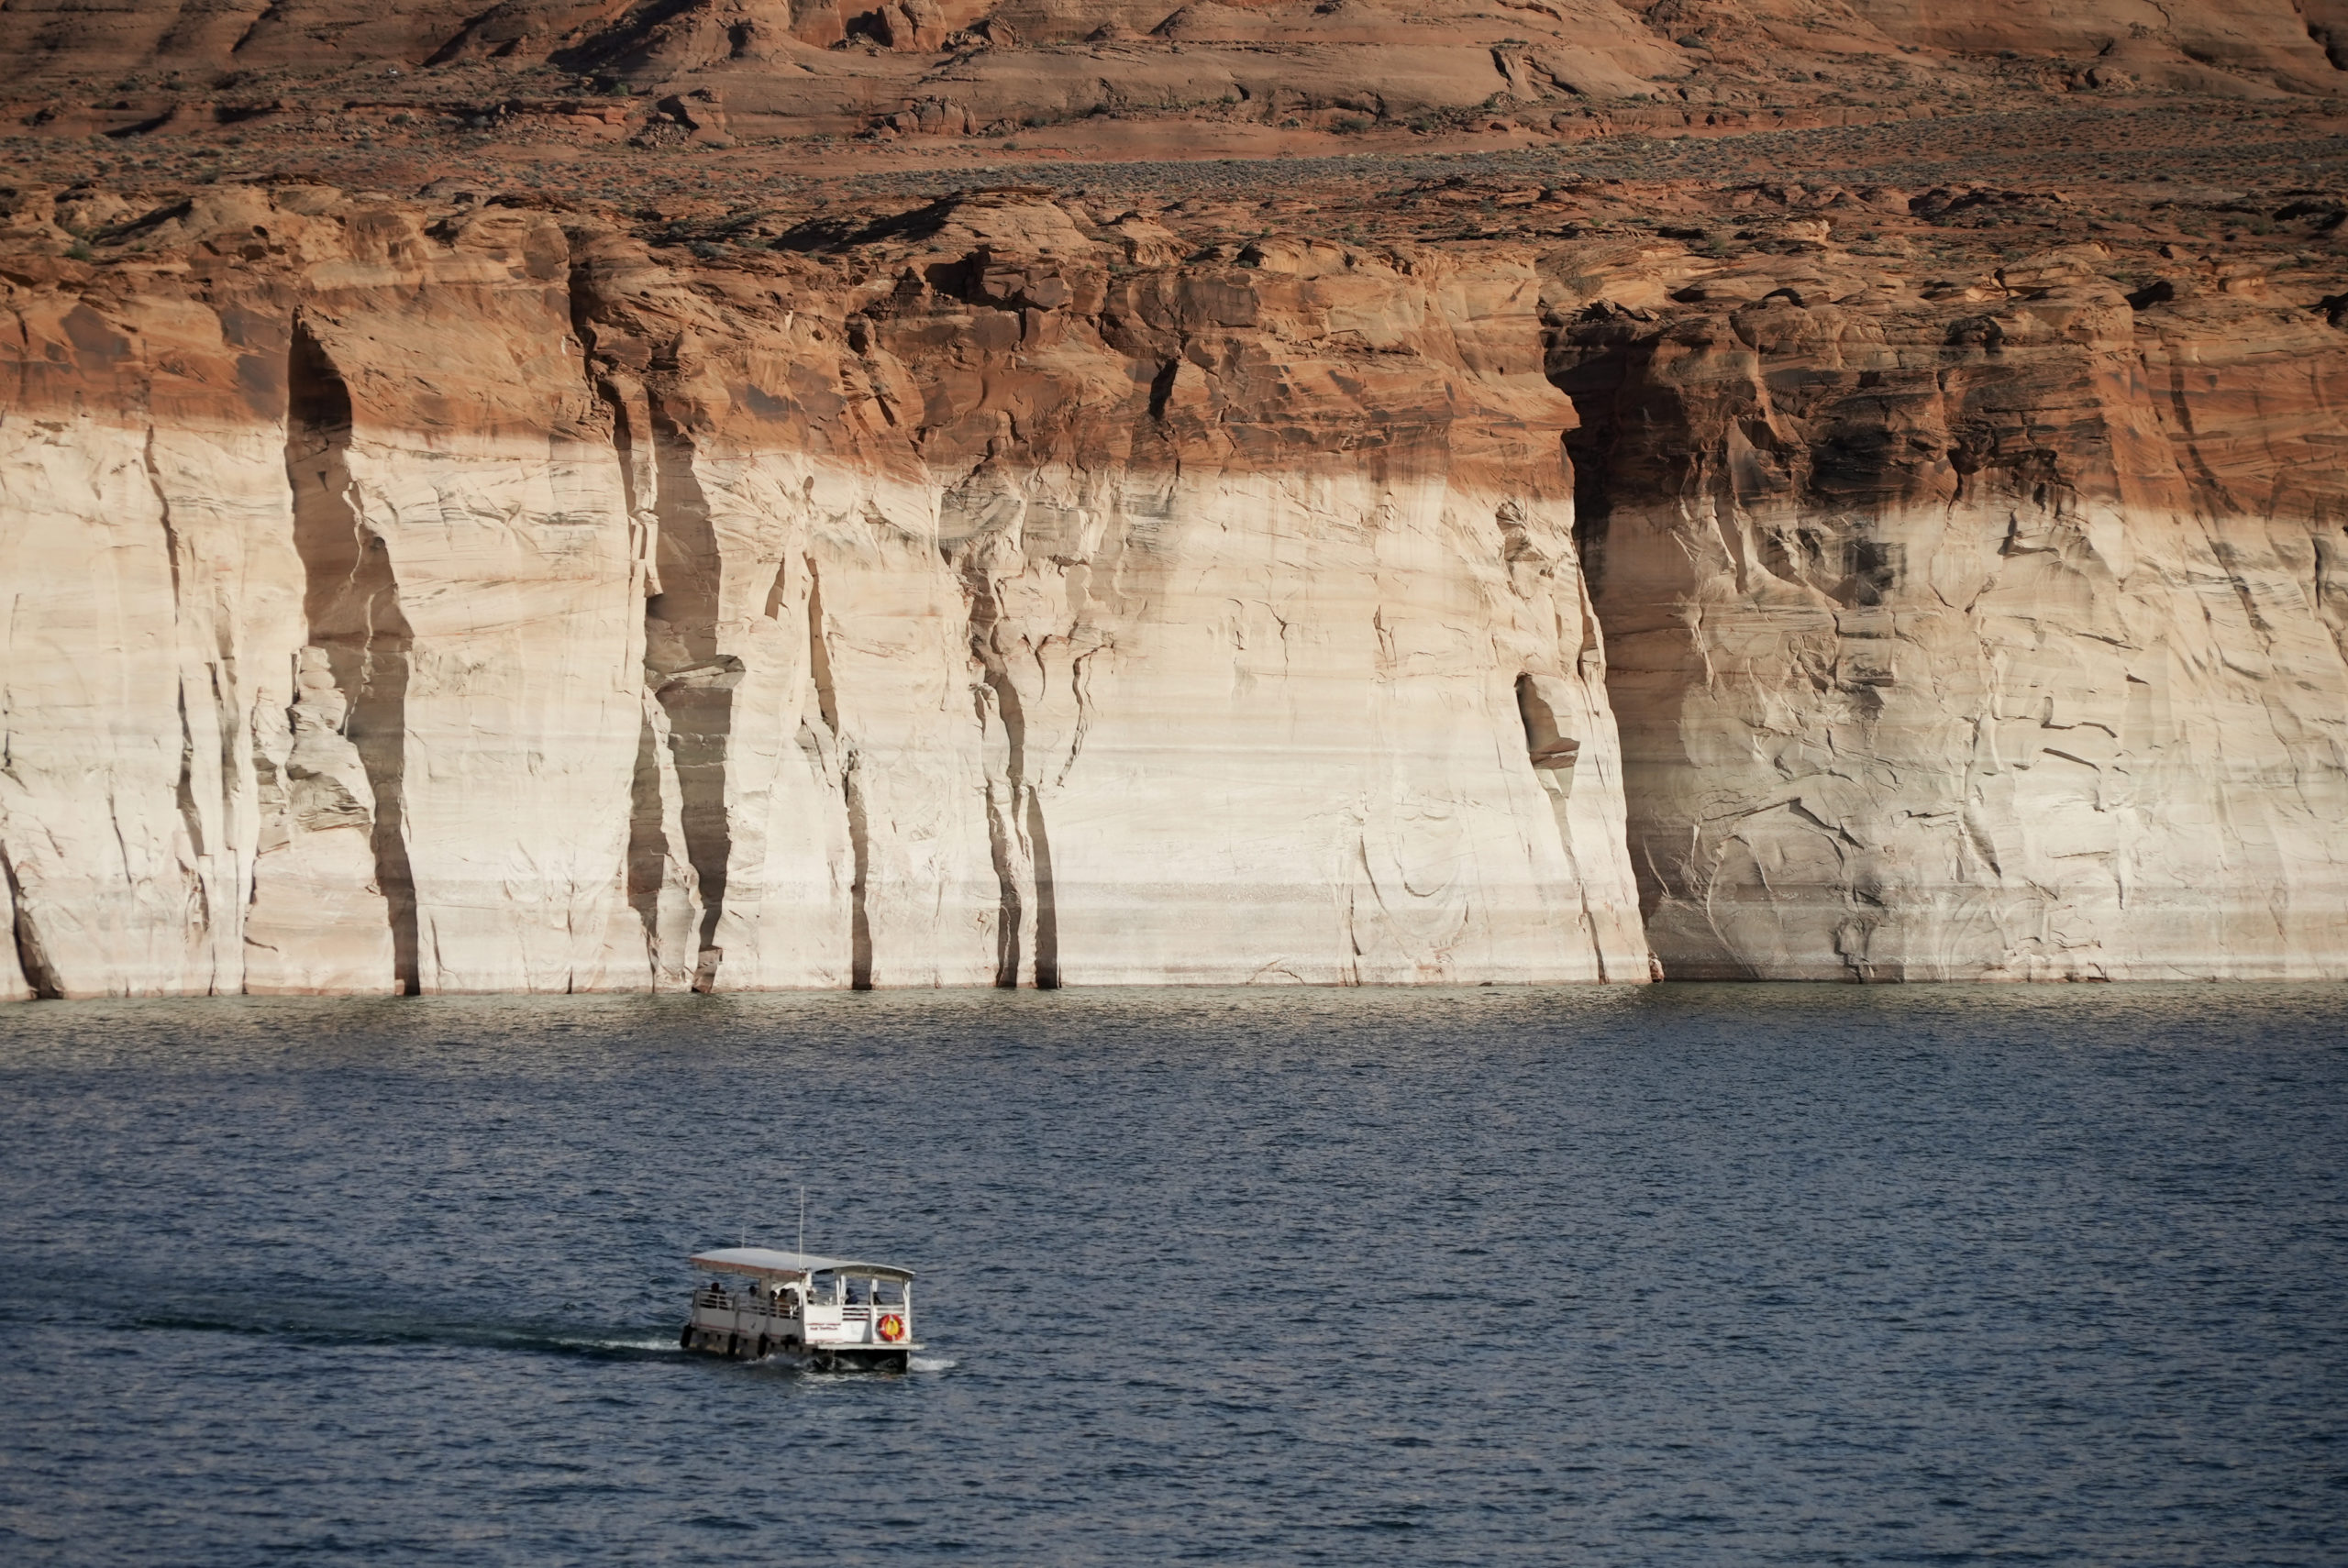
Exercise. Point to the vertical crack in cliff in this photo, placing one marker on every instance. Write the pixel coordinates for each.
(164, 509)
(859, 837)
(1021, 848)
(647, 858)
(695, 680)
(191, 816)
(648, 833)
(183, 788)
(351, 602)
(1016, 837)
(1080, 681)
(32, 957)
(1047, 919)
(1002, 840)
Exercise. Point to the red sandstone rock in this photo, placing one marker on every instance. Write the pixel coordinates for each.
(674, 572)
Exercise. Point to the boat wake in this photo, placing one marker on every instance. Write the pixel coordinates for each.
(347, 1329)
(399, 1331)
(665, 1345)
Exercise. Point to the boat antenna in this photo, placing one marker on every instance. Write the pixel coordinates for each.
(802, 1220)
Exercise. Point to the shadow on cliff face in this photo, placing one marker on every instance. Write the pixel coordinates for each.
(352, 604)
(1593, 359)
(32, 959)
(1835, 449)
(695, 682)
(1728, 452)
(1018, 840)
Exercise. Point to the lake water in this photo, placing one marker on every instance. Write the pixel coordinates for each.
(1673, 1275)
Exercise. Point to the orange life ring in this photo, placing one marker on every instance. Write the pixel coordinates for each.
(892, 1328)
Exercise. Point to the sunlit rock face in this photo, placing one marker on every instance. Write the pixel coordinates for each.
(1992, 635)
(411, 598)
(439, 600)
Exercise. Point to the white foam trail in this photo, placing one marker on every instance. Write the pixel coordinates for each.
(931, 1362)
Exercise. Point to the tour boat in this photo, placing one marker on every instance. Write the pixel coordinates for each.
(833, 1314)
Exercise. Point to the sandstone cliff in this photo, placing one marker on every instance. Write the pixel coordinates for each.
(436, 594)
(446, 599)
(1992, 631)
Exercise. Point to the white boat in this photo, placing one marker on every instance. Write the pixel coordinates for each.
(834, 1314)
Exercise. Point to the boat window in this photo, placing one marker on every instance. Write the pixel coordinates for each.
(889, 1292)
(823, 1291)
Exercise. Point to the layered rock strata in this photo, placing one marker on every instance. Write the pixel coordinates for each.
(715, 70)
(1994, 631)
(454, 601)
(462, 597)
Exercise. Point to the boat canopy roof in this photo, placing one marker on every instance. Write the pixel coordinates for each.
(765, 1263)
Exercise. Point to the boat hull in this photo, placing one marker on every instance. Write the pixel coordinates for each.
(757, 1345)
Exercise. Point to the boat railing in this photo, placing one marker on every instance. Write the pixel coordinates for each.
(759, 1305)
(715, 1299)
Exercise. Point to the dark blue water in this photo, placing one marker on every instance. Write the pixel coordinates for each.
(1681, 1275)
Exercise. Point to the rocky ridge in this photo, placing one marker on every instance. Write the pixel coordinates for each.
(1114, 73)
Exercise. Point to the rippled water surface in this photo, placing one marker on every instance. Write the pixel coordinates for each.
(1679, 1275)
